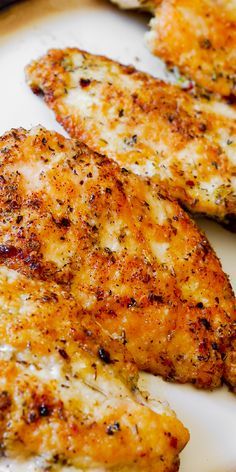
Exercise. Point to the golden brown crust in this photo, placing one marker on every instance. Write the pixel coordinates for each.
(65, 384)
(200, 38)
(197, 36)
(61, 401)
(127, 253)
(186, 143)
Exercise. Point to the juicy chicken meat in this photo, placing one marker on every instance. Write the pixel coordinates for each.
(156, 130)
(130, 256)
(197, 36)
(65, 388)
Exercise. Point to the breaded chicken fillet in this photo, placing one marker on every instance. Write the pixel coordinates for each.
(127, 254)
(65, 389)
(198, 36)
(185, 143)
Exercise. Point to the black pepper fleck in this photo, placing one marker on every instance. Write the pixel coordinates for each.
(205, 323)
(19, 219)
(215, 346)
(63, 353)
(84, 82)
(63, 223)
(200, 305)
(152, 297)
(202, 127)
(44, 410)
(205, 43)
(104, 355)
(132, 302)
(113, 428)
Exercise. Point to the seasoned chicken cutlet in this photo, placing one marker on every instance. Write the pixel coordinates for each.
(200, 38)
(127, 254)
(65, 389)
(156, 130)
(197, 36)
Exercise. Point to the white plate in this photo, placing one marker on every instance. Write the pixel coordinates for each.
(27, 30)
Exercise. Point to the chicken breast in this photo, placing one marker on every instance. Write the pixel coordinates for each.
(197, 36)
(129, 255)
(200, 38)
(185, 143)
(65, 389)
(61, 398)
